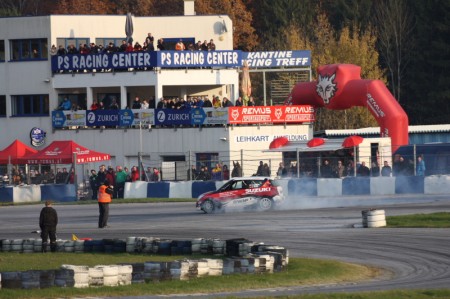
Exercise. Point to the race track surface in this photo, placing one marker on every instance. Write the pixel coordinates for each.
(309, 227)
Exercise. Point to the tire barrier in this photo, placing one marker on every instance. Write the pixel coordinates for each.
(243, 256)
(373, 218)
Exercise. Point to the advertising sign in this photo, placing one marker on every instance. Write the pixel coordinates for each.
(98, 118)
(271, 114)
(119, 60)
(216, 116)
(143, 116)
(171, 59)
(68, 118)
(278, 59)
(172, 117)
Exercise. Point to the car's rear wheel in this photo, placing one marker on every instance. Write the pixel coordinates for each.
(265, 204)
(208, 206)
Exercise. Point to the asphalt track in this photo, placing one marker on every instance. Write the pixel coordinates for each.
(308, 227)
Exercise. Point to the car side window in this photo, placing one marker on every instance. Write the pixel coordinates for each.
(237, 185)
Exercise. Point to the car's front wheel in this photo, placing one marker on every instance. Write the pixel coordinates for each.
(265, 204)
(208, 206)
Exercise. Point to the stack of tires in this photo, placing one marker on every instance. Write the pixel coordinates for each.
(219, 247)
(6, 245)
(17, 245)
(202, 268)
(95, 277)
(281, 254)
(151, 271)
(69, 246)
(215, 267)
(47, 279)
(373, 218)
(131, 245)
(80, 275)
(238, 247)
(110, 275)
(11, 280)
(196, 245)
(125, 274)
(28, 246)
(179, 270)
(137, 275)
(78, 246)
(37, 245)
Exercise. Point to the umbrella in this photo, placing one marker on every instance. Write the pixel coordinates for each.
(315, 142)
(129, 28)
(246, 85)
(279, 142)
(352, 141)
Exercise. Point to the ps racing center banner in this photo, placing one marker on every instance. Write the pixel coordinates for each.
(179, 59)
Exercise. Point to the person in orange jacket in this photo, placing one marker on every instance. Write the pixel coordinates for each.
(105, 193)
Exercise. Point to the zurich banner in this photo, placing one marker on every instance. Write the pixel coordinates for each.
(98, 118)
(164, 117)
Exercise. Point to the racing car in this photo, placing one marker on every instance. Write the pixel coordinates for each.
(258, 193)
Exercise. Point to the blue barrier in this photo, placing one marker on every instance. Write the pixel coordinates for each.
(158, 189)
(409, 185)
(58, 192)
(304, 186)
(356, 186)
(202, 187)
(6, 194)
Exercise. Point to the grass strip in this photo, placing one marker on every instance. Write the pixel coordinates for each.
(301, 271)
(433, 220)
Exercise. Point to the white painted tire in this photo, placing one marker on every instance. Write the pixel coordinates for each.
(110, 281)
(95, 273)
(110, 271)
(376, 218)
(81, 277)
(131, 240)
(17, 242)
(125, 269)
(375, 212)
(373, 224)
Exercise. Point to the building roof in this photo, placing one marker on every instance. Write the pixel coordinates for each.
(376, 130)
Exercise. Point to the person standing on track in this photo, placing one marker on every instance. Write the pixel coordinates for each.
(48, 220)
(105, 193)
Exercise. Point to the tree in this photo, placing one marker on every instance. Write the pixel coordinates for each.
(244, 37)
(394, 24)
(136, 7)
(78, 7)
(427, 94)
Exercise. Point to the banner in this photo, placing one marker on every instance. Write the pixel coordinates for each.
(119, 60)
(271, 114)
(278, 59)
(69, 118)
(209, 116)
(98, 118)
(166, 117)
(171, 59)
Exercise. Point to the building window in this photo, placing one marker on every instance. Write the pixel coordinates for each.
(66, 42)
(78, 100)
(30, 105)
(2, 106)
(105, 41)
(29, 49)
(2, 50)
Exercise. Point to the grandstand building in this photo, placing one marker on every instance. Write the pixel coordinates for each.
(35, 80)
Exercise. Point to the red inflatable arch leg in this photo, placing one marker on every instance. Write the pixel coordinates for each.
(339, 86)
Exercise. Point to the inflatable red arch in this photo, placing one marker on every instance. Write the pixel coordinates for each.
(339, 86)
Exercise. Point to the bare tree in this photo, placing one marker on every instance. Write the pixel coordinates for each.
(394, 24)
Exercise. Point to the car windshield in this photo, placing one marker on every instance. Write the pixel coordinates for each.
(243, 184)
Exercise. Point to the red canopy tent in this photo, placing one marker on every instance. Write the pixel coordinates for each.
(15, 153)
(62, 152)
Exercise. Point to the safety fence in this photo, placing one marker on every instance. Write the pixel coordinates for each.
(438, 184)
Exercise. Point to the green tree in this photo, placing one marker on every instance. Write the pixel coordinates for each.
(394, 24)
(348, 47)
(427, 94)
